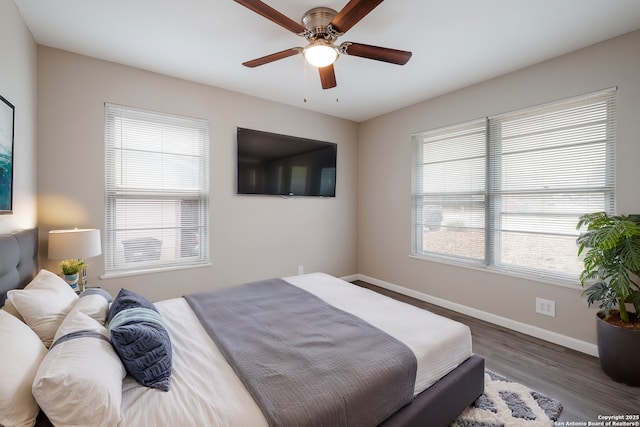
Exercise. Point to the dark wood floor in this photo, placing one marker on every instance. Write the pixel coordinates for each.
(574, 378)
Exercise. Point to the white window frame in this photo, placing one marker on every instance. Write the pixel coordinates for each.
(147, 228)
(508, 179)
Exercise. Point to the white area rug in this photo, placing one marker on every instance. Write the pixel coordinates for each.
(509, 404)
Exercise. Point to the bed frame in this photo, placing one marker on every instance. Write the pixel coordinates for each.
(437, 406)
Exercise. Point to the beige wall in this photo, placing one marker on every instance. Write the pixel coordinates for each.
(252, 237)
(18, 86)
(384, 222)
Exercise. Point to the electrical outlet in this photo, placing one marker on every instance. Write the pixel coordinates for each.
(546, 307)
(300, 270)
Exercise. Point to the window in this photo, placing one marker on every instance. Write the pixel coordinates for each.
(157, 204)
(507, 192)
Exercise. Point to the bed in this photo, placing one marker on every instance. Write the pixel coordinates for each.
(206, 390)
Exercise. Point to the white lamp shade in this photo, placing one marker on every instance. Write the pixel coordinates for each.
(320, 53)
(77, 243)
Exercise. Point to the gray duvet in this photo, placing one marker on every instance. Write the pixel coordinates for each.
(305, 362)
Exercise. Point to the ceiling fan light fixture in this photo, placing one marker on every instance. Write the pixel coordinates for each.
(320, 53)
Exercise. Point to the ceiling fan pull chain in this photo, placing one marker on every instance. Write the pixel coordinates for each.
(305, 80)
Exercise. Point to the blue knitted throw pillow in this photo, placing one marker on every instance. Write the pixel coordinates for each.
(141, 340)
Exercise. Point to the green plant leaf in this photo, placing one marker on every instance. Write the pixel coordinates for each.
(600, 292)
(630, 253)
(612, 257)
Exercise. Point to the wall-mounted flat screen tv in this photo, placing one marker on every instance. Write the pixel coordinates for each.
(274, 164)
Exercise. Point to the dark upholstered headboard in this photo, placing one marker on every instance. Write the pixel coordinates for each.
(18, 260)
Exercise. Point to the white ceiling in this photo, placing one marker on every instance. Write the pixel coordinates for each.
(455, 43)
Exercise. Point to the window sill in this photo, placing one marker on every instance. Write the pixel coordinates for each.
(118, 274)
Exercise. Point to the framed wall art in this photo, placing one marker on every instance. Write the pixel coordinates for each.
(7, 113)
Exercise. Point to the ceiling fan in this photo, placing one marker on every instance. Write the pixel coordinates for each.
(322, 26)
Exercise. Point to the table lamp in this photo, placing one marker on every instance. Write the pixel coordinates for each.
(75, 244)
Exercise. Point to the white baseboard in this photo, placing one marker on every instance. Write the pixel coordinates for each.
(352, 278)
(534, 331)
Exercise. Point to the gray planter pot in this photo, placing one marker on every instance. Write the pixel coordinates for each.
(618, 349)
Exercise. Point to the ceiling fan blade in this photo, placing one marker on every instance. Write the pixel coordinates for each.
(273, 57)
(385, 54)
(353, 12)
(273, 15)
(327, 77)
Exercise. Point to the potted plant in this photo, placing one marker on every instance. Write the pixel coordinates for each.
(612, 269)
(70, 269)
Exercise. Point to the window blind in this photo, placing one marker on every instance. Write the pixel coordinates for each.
(550, 165)
(449, 186)
(510, 189)
(156, 168)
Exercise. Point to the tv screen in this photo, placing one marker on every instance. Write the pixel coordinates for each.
(273, 164)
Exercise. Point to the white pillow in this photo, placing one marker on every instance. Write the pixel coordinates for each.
(79, 382)
(44, 303)
(22, 352)
(11, 309)
(94, 302)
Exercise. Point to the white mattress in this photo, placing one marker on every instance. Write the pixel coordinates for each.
(204, 386)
